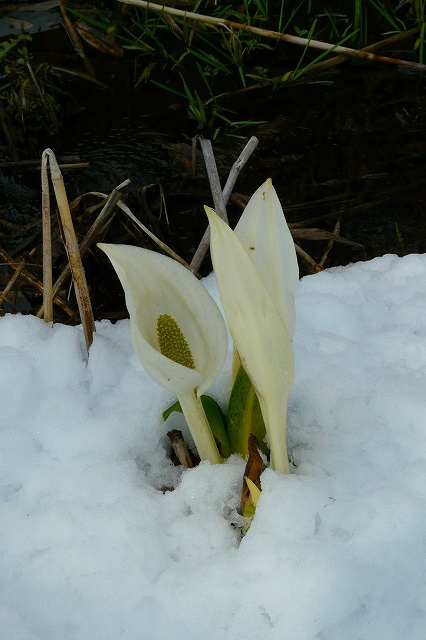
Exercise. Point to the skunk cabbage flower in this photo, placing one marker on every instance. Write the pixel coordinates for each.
(261, 337)
(264, 234)
(178, 332)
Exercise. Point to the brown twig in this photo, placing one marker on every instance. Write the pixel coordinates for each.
(11, 283)
(35, 282)
(314, 266)
(276, 35)
(330, 244)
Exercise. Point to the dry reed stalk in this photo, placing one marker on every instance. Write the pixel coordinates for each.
(153, 237)
(232, 178)
(73, 252)
(329, 63)
(47, 242)
(314, 266)
(320, 234)
(75, 38)
(276, 35)
(330, 244)
(213, 176)
(36, 164)
(35, 282)
(11, 283)
(97, 227)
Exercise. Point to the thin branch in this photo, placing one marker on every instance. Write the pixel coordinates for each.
(237, 166)
(153, 237)
(232, 178)
(314, 266)
(10, 284)
(35, 282)
(276, 35)
(330, 244)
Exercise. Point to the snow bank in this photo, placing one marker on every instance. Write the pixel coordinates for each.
(90, 549)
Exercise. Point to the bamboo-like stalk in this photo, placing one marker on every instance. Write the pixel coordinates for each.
(276, 35)
(72, 248)
(229, 185)
(47, 242)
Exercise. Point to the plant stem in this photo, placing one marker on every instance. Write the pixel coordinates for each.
(199, 427)
(47, 242)
(232, 178)
(276, 417)
(72, 248)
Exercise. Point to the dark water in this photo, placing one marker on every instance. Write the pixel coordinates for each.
(348, 144)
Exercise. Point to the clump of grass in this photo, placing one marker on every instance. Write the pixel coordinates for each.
(200, 63)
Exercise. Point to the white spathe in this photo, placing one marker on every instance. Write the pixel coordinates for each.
(155, 285)
(264, 234)
(258, 330)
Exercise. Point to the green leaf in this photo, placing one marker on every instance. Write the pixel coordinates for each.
(217, 422)
(215, 418)
(244, 415)
(173, 407)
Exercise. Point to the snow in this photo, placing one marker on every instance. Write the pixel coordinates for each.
(91, 549)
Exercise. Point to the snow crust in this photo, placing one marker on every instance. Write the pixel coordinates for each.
(90, 549)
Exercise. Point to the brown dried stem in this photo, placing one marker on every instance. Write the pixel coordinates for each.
(34, 282)
(72, 248)
(47, 242)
